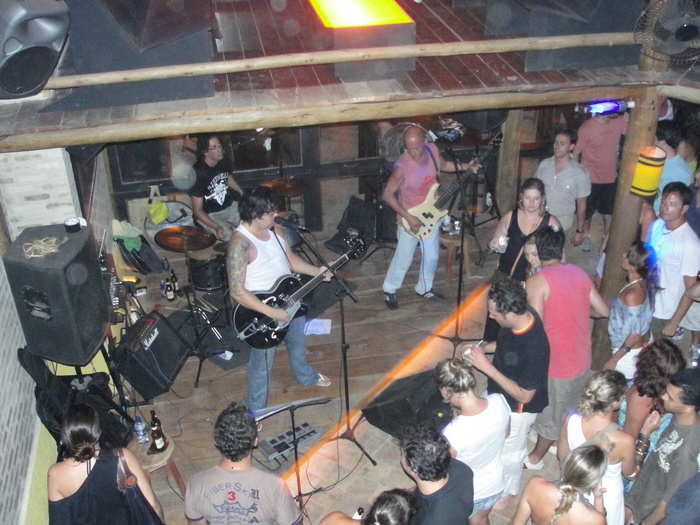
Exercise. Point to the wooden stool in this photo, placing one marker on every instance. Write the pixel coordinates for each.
(151, 463)
(452, 242)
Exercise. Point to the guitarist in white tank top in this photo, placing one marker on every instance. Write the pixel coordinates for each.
(257, 256)
(414, 174)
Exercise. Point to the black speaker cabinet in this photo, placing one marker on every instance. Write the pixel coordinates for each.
(151, 355)
(60, 296)
(33, 33)
(407, 402)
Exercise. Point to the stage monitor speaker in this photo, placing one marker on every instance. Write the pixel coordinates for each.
(150, 355)
(33, 34)
(59, 292)
(407, 402)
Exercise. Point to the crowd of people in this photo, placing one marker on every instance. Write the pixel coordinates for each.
(627, 437)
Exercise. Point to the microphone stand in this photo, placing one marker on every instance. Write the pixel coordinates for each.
(462, 181)
(349, 433)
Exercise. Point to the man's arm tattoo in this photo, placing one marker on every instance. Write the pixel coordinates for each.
(237, 263)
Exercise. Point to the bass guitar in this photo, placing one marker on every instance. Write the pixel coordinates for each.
(260, 330)
(435, 205)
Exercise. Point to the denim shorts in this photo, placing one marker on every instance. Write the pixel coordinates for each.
(485, 503)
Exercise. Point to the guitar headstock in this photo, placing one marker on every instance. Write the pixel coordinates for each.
(356, 245)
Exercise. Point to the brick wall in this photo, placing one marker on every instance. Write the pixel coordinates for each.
(35, 188)
(17, 414)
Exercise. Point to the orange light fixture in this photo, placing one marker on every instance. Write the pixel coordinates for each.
(337, 14)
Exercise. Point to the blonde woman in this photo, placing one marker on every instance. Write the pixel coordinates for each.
(476, 434)
(596, 423)
(564, 502)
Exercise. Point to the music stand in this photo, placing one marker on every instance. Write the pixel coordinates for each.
(264, 413)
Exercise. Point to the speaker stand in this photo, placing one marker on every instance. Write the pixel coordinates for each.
(83, 383)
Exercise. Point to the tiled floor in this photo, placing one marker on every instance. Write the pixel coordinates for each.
(383, 345)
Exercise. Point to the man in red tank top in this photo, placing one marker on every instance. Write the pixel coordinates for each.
(563, 295)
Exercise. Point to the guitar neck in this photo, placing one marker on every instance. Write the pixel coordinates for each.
(446, 195)
(313, 283)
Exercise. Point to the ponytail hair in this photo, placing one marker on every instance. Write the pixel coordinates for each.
(581, 472)
(392, 507)
(80, 433)
(602, 391)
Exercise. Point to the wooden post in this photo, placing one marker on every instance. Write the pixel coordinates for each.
(508, 158)
(641, 131)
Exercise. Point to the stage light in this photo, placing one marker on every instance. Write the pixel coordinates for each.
(606, 107)
(647, 172)
(359, 13)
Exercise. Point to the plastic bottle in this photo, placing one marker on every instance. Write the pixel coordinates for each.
(694, 353)
(140, 430)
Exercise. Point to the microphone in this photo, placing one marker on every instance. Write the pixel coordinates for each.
(290, 224)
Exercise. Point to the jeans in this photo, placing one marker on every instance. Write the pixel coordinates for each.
(260, 365)
(515, 450)
(403, 257)
(228, 218)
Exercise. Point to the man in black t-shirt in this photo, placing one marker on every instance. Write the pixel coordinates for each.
(518, 371)
(444, 486)
(215, 191)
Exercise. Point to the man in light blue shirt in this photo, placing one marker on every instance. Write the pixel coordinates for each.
(668, 136)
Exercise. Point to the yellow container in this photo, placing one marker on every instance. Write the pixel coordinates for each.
(647, 172)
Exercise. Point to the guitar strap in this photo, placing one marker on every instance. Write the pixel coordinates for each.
(437, 169)
(283, 250)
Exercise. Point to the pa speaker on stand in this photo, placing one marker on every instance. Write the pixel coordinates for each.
(59, 293)
(33, 34)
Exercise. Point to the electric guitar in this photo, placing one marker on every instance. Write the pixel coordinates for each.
(260, 330)
(434, 207)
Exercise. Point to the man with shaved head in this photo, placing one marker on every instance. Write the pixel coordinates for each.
(414, 173)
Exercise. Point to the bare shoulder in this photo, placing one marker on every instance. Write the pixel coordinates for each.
(633, 296)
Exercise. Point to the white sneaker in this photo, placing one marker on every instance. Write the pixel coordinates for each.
(323, 381)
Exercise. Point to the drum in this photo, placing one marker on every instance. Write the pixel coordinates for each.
(208, 275)
(179, 214)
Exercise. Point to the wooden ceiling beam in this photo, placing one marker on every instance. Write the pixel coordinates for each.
(503, 45)
(293, 116)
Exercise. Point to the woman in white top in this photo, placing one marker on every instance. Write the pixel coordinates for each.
(476, 434)
(596, 425)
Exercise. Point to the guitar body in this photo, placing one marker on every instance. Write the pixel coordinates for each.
(259, 330)
(428, 213)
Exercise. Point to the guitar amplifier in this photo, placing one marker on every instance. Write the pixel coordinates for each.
(150, 355)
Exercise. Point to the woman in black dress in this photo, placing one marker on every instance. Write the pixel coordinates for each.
(509, 239)
(83, 487)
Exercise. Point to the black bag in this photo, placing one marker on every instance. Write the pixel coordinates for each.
(54, 397)
(139, 508)
(145, 260)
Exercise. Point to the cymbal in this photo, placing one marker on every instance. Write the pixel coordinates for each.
(183, 239)
(285, 187)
